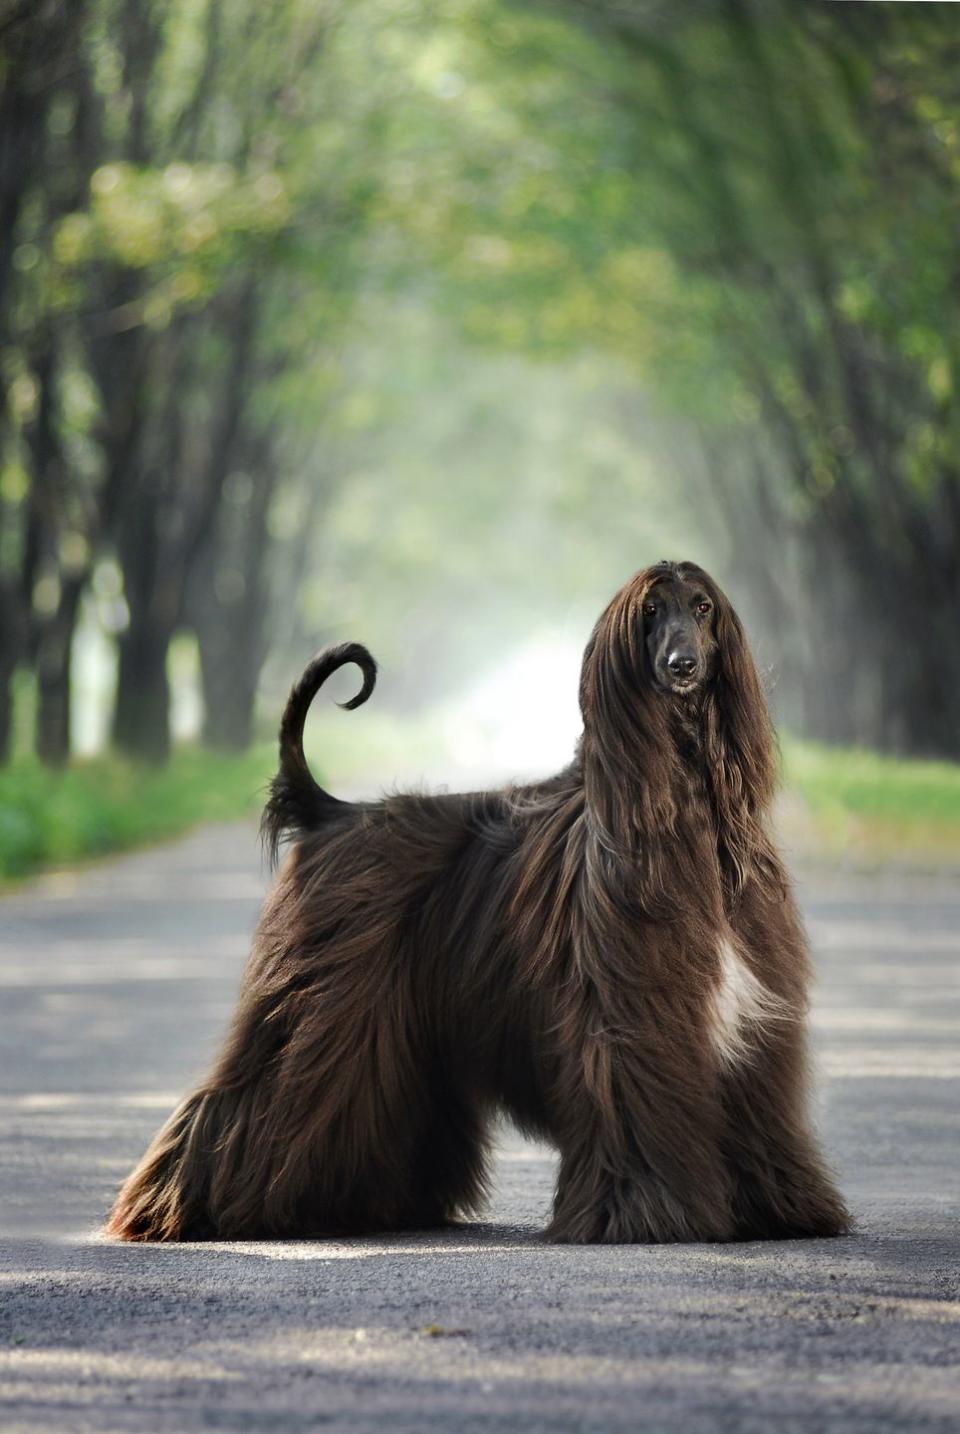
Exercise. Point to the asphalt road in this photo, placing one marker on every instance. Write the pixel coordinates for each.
(114, 984)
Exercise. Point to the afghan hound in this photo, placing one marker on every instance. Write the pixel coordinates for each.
(612, 958)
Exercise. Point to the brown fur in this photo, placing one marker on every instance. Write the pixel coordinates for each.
(550, 951)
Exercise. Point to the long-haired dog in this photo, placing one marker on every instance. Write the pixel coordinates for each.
(612, 958)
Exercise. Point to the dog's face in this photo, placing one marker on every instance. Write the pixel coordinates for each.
(679, 631)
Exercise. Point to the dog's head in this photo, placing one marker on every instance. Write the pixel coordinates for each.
(679, 610)
(670, 633)
(670, 642)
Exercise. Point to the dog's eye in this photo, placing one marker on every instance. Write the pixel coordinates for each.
(649, 609)
(704, 607)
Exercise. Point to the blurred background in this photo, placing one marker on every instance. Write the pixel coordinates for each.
(426, 325)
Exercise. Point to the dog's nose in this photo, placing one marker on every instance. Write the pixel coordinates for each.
(681, 665)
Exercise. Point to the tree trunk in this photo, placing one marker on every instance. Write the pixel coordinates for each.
(231, 625)
(53, 668)
(6, 708)
(229, 690)
(141, 717)
(11, 654)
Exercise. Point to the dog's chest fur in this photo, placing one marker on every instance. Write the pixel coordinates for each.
(740, 1007)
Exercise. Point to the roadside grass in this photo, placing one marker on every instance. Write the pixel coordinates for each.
(106, 804)
(838, 802)
(864, 805)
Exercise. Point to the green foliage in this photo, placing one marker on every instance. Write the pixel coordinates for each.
(431, 322)
(186, 224)
(876, 805)
(51, 818)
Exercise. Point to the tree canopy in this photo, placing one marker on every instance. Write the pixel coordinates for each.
(309, 308)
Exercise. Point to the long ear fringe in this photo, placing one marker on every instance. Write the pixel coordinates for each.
(632, 773)
(740, 752)
(628, 757)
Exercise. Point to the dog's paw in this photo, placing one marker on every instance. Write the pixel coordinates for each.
(794, 1212)
(640, 1214)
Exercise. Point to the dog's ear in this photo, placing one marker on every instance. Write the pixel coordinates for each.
(615, 677)
(740, 750)
(628, 758)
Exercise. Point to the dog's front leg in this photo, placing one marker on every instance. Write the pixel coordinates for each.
(782, 1188)
(640, 1155)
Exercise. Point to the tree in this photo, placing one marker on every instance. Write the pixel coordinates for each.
(36, 43)
(295, 260)
(167, 221)
(733, 211)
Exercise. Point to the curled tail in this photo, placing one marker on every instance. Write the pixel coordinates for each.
(297, 803)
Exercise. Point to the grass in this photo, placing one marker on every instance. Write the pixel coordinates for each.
(844, 801)
(53, 818)
(106, 804)
(877, 807)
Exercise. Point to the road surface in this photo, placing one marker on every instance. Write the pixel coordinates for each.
(114, 984)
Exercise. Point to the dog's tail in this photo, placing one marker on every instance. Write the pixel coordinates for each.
(297, 803)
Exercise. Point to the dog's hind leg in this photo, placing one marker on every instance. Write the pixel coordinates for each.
(165, 1197)
(325, 1115)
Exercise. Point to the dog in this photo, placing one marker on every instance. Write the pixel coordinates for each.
(612, 958)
